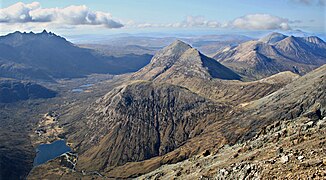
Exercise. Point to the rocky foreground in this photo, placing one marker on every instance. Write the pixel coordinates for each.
(294, 149)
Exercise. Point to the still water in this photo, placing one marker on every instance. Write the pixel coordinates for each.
(46, 152)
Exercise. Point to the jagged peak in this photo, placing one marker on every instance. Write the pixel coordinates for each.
(19, 33)
(44, 32)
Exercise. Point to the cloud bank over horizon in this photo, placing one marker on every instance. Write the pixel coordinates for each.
(247, 22)
(32, 16)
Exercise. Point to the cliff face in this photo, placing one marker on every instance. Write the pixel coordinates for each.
(140, 121)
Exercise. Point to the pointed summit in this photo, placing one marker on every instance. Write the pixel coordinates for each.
(180, 60)
(273, 38)
(179, 44)
(175, 49)
(44, 32)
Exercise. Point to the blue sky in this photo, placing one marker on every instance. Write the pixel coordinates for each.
(135, 15)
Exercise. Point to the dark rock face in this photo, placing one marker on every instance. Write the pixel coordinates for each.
(12, 91)
(274, 53)
(140, 121)
(45, 56)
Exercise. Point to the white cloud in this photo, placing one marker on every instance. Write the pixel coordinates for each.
(260, 22)
(71, 15)
(189, 22)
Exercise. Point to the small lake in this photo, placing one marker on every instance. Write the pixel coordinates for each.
(82, 88)
(86, 85)
(77, 90)
(46, 152)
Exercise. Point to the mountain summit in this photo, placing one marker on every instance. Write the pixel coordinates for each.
(181, 60)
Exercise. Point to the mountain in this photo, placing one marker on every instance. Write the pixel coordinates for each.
(274, 53)
(12, 91)
(181, 60)
(139, 121)
(47, 56)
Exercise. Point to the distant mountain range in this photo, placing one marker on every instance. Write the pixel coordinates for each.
(46, 56)
(273, 54)
(150, 44)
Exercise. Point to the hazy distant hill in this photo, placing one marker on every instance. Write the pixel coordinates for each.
(274, 53)
(47, 56)
(12, 91)
(150, 44)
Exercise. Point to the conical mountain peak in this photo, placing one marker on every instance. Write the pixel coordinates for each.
(180, 60)
(176, 48)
